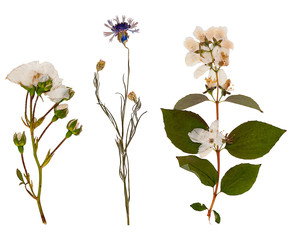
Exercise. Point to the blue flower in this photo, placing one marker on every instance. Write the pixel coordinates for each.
(120, 29)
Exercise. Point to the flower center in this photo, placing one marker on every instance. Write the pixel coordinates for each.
(211, 140)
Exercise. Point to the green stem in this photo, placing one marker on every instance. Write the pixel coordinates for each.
(34, 147)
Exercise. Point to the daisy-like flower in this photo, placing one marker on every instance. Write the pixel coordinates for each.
(120, 28)
(211, 48)
(207, 139)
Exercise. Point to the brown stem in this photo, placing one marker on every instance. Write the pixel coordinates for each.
(55, 105)
(127, 197)
(58, 146)
(44, 131)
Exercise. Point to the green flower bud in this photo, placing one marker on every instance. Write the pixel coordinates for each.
(45, 84)
(61, 111)
(73, 127)
(19, 139)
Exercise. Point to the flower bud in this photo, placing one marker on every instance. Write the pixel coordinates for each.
(19, 140)
(73, 127)
(61, 111)
(132, 96)
(100, 65)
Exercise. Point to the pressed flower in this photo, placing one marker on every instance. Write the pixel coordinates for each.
(207, 139)
(59, 93)
(132, 96)
(30, 74)
(191, 44)
(120, 28)
(192, 59)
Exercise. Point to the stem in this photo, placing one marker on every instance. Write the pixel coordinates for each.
(38, 198)
(58, 146)
(215, 193)
(127, 196)
(44, 131)
(55, 105)
(28, 179)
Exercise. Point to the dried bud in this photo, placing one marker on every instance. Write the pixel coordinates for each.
(19, 140)
(100, 65)
(226, 85)
(61, 111)
(132, 96)
(73, 128)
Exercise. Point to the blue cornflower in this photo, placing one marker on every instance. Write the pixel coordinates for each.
(120, 28)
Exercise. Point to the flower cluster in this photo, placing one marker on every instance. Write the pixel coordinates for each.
(211, 49)
(41, 77)
(208, 139)
(120, 28)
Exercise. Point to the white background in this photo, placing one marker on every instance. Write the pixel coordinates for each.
(82, 194)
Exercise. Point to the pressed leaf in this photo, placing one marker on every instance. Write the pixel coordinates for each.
(190, 100)
(217, 217)
(253, 139)
(19, 175)
(244, 101)
(198, 207)
(203, 169)
(177, 126)
(239, 179)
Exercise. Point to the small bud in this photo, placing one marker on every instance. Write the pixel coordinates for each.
(226, 85)
(61, 111)
(73, 127)
(100, 65)
(132, 96)
(19, 139)
(45, 84)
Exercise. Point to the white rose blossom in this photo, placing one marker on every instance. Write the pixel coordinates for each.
(212, 49)
(28, 75)
(207, 139)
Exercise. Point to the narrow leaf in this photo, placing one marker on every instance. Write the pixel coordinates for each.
(239, 179)
(177, 126)
(19, 175)
(244, 101)
(203, 169)
(47, 159)
(217, 217)
(198, 207)
(190, 100)
(253, 139)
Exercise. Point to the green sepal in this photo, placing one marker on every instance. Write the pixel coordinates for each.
(244, 101)
(199, 207)
(54, 118)
(47, 159)
(253, 139)
(20, 149)
(44, 87)
(177, 126)
(68, 134)
(203, 169)
(217, 217)
(239, 179)
(190, 100)
(38, 122)
(19, 175)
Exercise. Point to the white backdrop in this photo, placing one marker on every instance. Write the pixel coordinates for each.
(82, 193)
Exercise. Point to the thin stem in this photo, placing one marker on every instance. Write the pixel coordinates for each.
(58, 146)
(28, 179)
(38, 198)
(34, 107)
(55, 105)
(44, 131)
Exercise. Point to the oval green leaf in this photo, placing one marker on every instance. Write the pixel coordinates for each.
(217, 217)
(19, 175)
(244, 101)
(239, 179)
(177, 126)
(199, 207)
(203, 169)
(253, 139)
(190, 100)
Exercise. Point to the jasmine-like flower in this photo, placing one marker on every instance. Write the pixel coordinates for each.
(120, 28)
(208, 139)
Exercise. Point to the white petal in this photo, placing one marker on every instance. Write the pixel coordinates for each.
(199, 34)
(201, 70)
(56, 95)
(191, 44)
(222, 77)
(192, 59)
(204, 150)
(214, 126)
(198, 135)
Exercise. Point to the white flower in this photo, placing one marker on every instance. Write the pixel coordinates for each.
(207, 139)
(192, 59)
(210, 33)
(220, 33)
(59, 93)
(222, 77)
(199, 33)
(201, 70)
(31, 73)
(191, 44)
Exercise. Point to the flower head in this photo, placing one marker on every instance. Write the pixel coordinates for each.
(120, 28)
(132, 96)
(100, 65)
(208, 139)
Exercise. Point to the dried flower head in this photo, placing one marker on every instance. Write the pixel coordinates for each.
(132, 96)
(120, 28)
(100, 65)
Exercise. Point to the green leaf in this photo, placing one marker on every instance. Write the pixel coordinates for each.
(19, 175)
(38, 122)
(217, 217)
(47, 159)
(198, 207)
(177, 126)
(203, 169)
(190, 100)
(239, 179)
(253, 139)
(244, 101)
